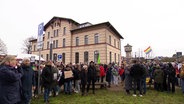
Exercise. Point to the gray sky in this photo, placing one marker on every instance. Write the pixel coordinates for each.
(142, 23)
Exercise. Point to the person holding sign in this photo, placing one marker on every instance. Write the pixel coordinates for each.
(68, 74)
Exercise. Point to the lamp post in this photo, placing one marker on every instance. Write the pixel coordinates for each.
(51, 42)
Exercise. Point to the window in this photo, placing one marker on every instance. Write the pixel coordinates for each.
(55, 25)
(56, 43)
(47, 57)
(54, 33)
(57, 32)
(114, 42)
(115, 57)
(64, 30)
(109, 39)
(77, 41)
(34, 48)
(96, 53)
(86, 39)
(86, 57)
(96, 38)
(48, 35)
(77, 57)
(110, 57)
(118, 45)
(47, 45)
(64, 42)
(118, 58)
(63, 58)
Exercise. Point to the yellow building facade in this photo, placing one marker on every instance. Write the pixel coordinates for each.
(79, 43)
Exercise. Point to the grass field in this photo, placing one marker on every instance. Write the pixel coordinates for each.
(104, 96)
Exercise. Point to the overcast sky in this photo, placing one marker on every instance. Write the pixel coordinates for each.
(142, 23)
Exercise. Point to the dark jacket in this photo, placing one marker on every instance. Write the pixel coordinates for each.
(47, 76)
(28, 80)
(83, 76)
(76, 74)
(10, 85)
(171, 73)
(92, 73)
(159, 76)
(108, 74)
(137, 72)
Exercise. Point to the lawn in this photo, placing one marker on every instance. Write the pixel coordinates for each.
(104, 96)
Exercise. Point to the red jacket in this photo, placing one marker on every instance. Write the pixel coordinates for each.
(102, 71)
(121, 71)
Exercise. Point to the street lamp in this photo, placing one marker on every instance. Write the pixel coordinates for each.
(51, 42)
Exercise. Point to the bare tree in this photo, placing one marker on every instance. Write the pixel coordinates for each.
(27, 45)
(3, 48)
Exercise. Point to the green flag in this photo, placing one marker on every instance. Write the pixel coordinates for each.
(98, 58)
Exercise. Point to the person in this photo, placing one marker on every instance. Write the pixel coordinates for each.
(108, 74)
(47, 79)
(91, 76)
(28, 81)
(137, 73)
(10, 81)
(128, 79)
(121, 73)
(171, 78)
(54, 89)
(182, 77)
(68, 79)
(76, 73)
(83, 76)
(102, 74)
(115, 73)
(97, 72)
(159, 78)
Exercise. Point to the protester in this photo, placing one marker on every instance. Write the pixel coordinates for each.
(115, 71)
(68, 80)
(158, 78)
(137, 73)
(10, 81)
(76, 73)
(122, 73)
(54, 89)
(83, 76)
(91, 76)
(28, 81)
(128, 79)
(47, 79)
(182, 78)
(109, 74)
(171, 78)
(102, 74)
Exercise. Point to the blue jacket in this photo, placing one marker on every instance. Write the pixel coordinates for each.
(28, 80)
(10, 85)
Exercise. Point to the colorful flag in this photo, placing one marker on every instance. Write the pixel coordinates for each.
(98, 59)
(148, 50)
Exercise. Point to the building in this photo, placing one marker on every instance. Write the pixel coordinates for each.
(79, 43)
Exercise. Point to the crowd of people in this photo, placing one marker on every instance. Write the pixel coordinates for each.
(19, 81)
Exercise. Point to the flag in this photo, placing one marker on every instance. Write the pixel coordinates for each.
(98, 59)
(148, 50)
